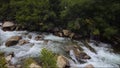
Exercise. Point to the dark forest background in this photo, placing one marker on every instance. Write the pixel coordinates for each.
(87, 17)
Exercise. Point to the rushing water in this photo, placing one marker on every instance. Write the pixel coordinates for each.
(103, 58)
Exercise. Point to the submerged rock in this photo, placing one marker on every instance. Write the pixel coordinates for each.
(13, 40)
(22, 42)
(89, 47)
(62, 62)
(81, 55)
(72, 47)
(29, 36)
(39, 37)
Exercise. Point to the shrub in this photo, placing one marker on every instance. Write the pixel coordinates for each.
(48, 59)
(2, 60)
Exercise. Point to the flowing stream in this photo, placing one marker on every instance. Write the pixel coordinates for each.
(104, 57)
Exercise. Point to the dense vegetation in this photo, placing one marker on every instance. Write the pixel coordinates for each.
(87, 17)
(48, 59)
(2, 60)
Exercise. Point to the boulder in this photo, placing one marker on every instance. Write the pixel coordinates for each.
(80, 54)
(39, 37)
(9, 57)
(89, 66)
(60, 34)
(66, 32)
(13, 40)
(34, 65)
(18, 66)
(72, 35)
(72, 47)
(62, 62)
(7, 25)
(22, 42)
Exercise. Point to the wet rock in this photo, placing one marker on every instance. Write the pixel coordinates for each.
(89, 47)
(29, 36)
(62, 62)
(40, 37)
(13, 40)
(22, 42)
(80, 54)
(45, 42)
(8, 25)
(34, 65)
(89, 66)
(72, 47)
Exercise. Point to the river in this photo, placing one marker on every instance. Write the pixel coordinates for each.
(104, 56)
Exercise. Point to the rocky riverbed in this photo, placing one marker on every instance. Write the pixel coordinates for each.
(18, 45)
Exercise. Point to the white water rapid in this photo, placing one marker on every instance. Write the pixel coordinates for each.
(103, 58)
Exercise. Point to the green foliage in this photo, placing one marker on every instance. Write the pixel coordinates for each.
(48, 59)
(2, 60)
(109, 32)
(96, 32)
(27, 62)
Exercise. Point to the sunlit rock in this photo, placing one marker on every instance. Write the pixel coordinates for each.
(7, 25)
(66, 32)
(62, 62)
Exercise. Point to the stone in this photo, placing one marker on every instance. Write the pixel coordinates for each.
(80, 54)
(62, 62)
(13, 40)
(89, 66)
(72, 47)
(39, 37)
(60, 34)
(22, 42)
(71, 35)
(29, 36)
(8, 25)
(34, 65)
(66, 32)
(45, 42)
(9, 57)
